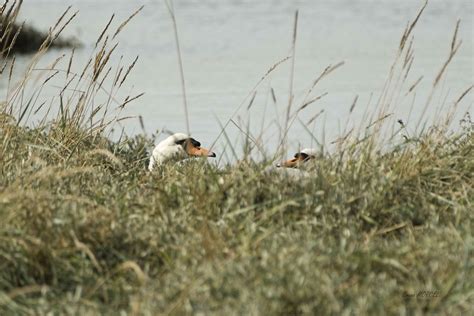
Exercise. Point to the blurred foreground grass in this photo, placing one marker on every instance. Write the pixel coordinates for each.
(85, 229)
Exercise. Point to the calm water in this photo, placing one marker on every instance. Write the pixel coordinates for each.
(228, 45)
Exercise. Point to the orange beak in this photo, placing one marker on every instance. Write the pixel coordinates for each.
(198, 151)
(294, 162)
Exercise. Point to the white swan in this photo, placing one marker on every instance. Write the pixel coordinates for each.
(299, 158)
(294, 168)
(178, 146)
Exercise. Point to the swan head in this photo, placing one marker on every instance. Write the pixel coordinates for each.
(299, 158)
(177, 147)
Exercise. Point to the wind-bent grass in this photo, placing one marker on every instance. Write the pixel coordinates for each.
(85, 229)
(89, 230)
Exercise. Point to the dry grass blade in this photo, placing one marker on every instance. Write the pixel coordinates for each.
(251, 100)
(273, 67)
(249, 137)
(391, 229)
(413, 86)
(89, 62)
(103, 63)
(287, 127)
(229, 142)
(133, 266)
(329, 69)
(126, 118)
(61, 18)
(445, 65)
(12, 65)
(378, 121)
(119, 29)
(128, 99)
(15, 37)
(312, 119)
(104, 30)
(5, 64)
(454, 48)
(117, 76)
(454, 41)
(468, 90)
(274, 99)
(101, 84)
(312, 101)
(180, 63)
(142, 124)
(292, 75)
(270, 70)
(50, 77)
(412, 26)
(128, 71)
(343, 138)
(354, 103)
(84, 248)
(64, 26)
(409, 55)
(25, 290)
(3, 7)
(98, 60)
(70, 63)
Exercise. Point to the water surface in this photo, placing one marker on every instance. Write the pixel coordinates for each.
(227, 46)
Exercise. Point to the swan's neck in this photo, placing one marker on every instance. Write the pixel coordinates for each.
(162, 154)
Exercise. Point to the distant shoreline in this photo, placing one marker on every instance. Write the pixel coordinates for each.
(25, 39)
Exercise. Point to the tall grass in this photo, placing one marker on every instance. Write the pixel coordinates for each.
(383, 224)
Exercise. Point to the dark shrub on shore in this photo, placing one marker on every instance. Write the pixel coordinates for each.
(21, 38)
(29, 39)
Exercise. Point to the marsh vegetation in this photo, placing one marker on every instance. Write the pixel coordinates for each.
(86, 229)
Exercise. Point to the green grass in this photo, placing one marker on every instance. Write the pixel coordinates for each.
(89, 230)
(382, 225)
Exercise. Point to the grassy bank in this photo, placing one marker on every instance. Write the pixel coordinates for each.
(379, 226)
(86, 229)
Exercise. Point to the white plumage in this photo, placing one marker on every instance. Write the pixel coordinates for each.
(300, 158)
(177, 147)
(294, 168)
(313, 152)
